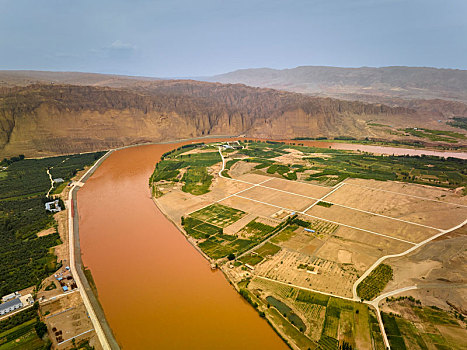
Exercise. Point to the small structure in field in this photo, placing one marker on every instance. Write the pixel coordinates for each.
(53, 206)
(58, 180)
(27, 299)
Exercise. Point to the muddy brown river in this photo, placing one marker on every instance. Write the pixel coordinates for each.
(156, 290)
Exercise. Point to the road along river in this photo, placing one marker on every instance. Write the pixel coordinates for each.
(156, 290)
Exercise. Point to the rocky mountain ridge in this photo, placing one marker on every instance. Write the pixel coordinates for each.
(45, 119)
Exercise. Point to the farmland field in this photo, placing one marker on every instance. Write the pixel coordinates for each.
(218, 214)
(292, 222)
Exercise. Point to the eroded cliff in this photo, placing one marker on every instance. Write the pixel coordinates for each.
(45, 119)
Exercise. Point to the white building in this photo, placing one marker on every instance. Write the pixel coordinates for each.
(27, 299)
(10, 306)
(53, 206)
(10, 296)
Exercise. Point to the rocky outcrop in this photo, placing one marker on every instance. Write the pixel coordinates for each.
(45, 119)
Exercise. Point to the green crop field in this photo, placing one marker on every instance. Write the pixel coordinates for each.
(207, 223)
(260, 253)
(196, 179)
(18, 332)
(283, 170)
(375, 282)
(392, 330)
(251, 259)
(218, 246)
(189, 225)
(328, 343)
(285, 234)
(218, 214)
(257, 229)
(267, 249)
(263, 150)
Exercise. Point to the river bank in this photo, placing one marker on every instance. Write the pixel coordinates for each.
(147, 272)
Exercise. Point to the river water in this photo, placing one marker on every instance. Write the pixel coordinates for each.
(384, 149)
(155, 288)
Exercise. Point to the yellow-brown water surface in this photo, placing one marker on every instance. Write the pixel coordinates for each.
(156, 290)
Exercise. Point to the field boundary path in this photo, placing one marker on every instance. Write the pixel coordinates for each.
(93, 308)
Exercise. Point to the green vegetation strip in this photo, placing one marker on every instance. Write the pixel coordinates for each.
(375, 282)
(458, 122)
(436, 135)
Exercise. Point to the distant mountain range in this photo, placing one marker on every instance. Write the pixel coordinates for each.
(364, 83)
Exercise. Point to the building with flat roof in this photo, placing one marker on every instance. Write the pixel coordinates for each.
(10, 296)
(27, 299)
(53, 206)
(10, 306)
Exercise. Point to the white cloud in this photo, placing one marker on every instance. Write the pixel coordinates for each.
(120, 45)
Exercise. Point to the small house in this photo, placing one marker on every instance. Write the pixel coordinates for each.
(53, 206)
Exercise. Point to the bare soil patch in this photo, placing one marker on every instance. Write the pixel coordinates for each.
(392, 228)
(417, 210)
(241, 168)
(300, 188)
(279, 199)
(46, 232)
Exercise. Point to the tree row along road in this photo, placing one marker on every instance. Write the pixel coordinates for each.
(375, 302)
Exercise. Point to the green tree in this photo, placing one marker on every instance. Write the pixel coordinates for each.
(41, 329)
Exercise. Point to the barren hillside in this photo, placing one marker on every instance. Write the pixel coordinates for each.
(396, 82)
(43, 119)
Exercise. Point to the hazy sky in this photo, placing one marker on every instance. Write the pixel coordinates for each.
(183, 38)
